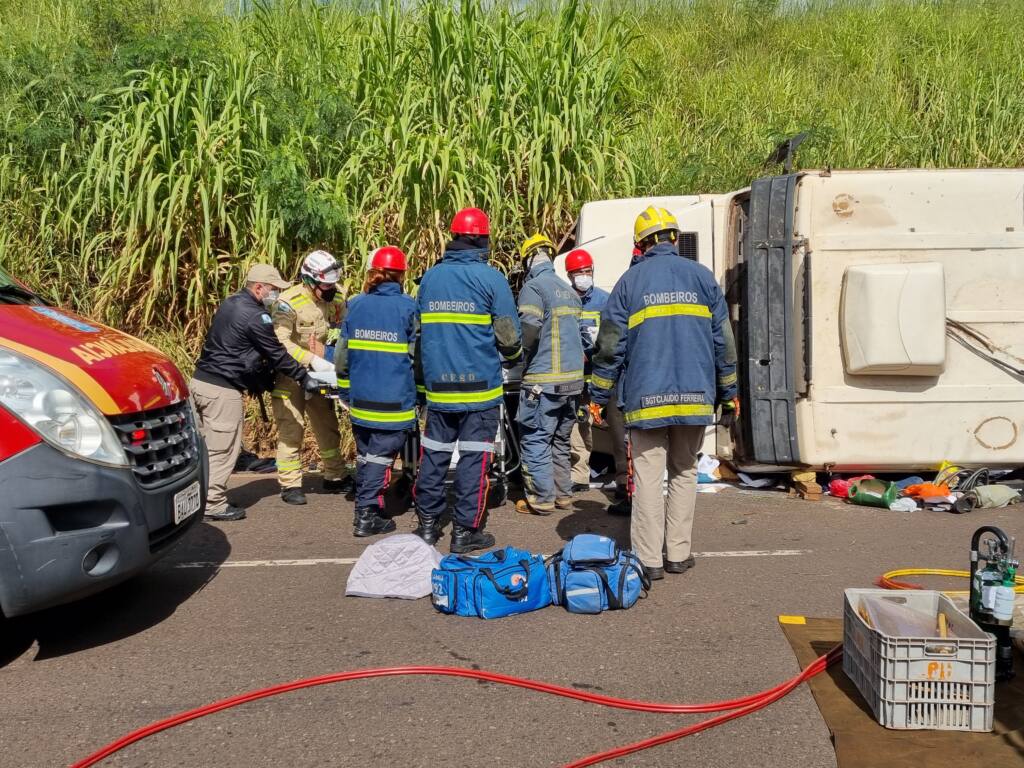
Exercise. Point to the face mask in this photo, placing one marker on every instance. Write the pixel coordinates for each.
(583, 282)
(327, 294)
(271, 298)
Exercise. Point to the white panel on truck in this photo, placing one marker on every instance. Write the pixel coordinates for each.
(894, 319)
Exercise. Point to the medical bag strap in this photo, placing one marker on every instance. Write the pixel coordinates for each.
(634, 563)
(614, 603)
(556, 563)
(498, 555)
(511, 594)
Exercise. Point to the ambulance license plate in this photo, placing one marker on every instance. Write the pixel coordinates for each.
(186, 503)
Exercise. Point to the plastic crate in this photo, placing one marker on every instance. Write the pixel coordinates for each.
(941, 684)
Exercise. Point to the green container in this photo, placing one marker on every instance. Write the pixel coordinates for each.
(873, 493)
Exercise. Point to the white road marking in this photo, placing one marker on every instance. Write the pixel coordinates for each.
(351, 560)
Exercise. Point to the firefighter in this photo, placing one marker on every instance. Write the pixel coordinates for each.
(665, 303)
(374, 363)
(579, 265)
(468, 327)
(302, 317)
(240, 354)
(549, 312)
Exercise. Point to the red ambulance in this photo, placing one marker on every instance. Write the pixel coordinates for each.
(102, 468)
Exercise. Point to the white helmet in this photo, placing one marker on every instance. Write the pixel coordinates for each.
(320, 267)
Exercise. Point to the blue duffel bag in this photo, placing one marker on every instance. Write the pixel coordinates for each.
(591, 574)
(495, 584)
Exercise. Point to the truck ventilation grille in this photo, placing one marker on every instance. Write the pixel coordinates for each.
(161, 444)
(688, 245)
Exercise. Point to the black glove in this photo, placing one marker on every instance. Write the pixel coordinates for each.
(730, 412)
(311, 385)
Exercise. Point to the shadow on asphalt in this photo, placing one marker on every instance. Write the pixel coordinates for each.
(591, 516)
(122, 611)
(397, 500)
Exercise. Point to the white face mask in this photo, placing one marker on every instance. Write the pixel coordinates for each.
(271, 298)
(583, 282)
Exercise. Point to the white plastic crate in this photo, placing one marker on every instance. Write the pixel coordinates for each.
(942, 684)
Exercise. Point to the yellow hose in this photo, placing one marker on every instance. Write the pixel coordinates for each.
(888, 577)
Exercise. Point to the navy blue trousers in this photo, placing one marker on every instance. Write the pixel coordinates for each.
(473, 433)
(376, 450)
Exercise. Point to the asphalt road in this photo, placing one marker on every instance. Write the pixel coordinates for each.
(181, 635)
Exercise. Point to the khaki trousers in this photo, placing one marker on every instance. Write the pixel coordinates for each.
(661, 527)
(291, 408)
(221, 414)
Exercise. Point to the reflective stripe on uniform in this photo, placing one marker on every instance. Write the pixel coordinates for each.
(298, 301)
(516, 356)
(371, 459)
(725, 381)
(343, 383)
(668, 411)
(466, 318)
(556, 378)
(530, 309)
(378, 346)
(589, 314)
(391, 417)
(464, 397)
(601, 382)
(300, 354)
(421, 388)
(330, 453)
(668, 310)
(436, 445)
(472, 446)
(281, 394)
(333, 335)
(288, 465)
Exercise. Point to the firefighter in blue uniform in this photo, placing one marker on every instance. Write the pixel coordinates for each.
(665, 330)
(549, 311)
(468, 327)
(374, 364)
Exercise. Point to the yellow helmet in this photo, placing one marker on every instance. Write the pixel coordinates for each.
(534, 242)
(653, 220)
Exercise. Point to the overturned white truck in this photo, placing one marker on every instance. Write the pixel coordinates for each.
(879, 315)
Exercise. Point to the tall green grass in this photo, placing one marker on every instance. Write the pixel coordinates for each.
(151, 149)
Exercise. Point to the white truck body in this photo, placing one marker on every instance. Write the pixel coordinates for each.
(879, 315)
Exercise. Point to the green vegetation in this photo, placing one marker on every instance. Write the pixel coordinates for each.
(150, 149)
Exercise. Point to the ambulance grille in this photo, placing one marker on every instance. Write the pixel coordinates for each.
(161, 444)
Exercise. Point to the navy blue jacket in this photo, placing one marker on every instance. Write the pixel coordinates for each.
(665, 331)
(468, 325)
(549, 311)
(374, 358)
(594, 301)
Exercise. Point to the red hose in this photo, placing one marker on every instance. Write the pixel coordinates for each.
(742, 706)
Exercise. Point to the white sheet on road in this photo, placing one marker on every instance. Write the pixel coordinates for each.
(396, 566)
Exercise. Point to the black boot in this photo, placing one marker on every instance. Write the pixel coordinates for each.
(429, 528)
(469, 539)
(370, 523)
(293, 496)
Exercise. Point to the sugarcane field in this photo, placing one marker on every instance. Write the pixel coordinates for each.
(526, 383)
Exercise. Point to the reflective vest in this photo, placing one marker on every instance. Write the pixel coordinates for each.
(665, 330)
(374, 358)
(549, 311)
(468, 324)
(593, 302)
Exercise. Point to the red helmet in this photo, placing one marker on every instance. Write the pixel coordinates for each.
(389, 257)
(578, 259)
(471, 221)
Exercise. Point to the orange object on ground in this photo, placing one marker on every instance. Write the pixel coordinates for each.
(926, 490)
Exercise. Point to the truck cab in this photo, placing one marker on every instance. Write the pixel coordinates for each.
(102, 468)
(878, 314)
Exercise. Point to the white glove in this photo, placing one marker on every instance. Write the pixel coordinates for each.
(319, 365)
(327, 378)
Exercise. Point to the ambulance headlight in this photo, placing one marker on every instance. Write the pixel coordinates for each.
(56, 411)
